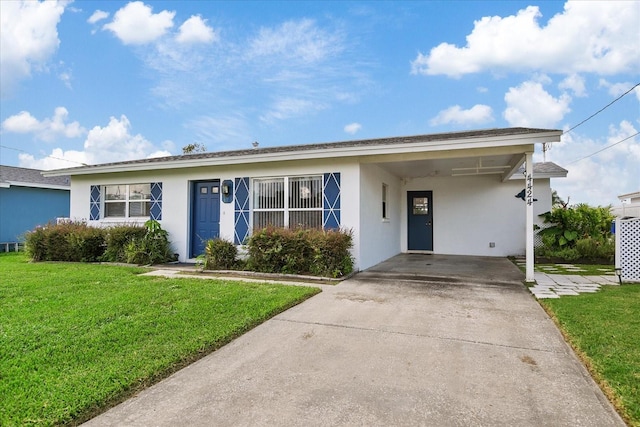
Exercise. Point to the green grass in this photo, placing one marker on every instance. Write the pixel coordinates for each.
(76, 338)
(604, 328)
(577, 269)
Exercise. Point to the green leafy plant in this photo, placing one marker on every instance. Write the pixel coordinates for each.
(577, 232)
(220, 254)
(152, 248)
(117, 238)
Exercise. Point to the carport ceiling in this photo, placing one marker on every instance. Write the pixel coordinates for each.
(486, 165)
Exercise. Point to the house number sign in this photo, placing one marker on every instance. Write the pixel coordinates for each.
(529, 189)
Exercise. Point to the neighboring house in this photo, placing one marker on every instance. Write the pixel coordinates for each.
(450, 193)
(28, 199)
(627, 231)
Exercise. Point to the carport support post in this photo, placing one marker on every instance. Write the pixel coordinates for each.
(529, 222)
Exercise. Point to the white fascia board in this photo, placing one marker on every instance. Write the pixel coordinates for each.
(37, 185)
(4, 185)
(323, 153)
(634, 195)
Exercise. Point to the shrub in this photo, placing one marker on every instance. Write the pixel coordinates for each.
(220, 255)
(300, 251)
(331, 256)
(278, 250)
(152, 248)
(596, 249)
(66, 241)
(117, 238)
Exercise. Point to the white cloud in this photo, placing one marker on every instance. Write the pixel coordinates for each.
(598, 179)
(98, 15)
(299, 40)
(617, 89)
(530, 105)
(136, 23)
(111, 143)
(28, 38)
(196, 30)
(475, 115)
(352, 128)
(46, 130)
(575, 83)
(224, 132)
(588, 36)
(286, 108)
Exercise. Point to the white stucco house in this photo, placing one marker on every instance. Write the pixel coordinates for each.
(467, 193)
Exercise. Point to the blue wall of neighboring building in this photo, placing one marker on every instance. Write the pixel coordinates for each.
(24, 208)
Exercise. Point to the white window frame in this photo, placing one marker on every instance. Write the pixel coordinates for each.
(127, 200)
(385, 202)
(286, 209)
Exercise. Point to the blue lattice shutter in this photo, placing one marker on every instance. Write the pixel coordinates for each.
(331, 201)
(94, 203)
(156, 201)
(241, 209)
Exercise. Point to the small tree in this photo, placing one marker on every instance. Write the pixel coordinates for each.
(196, 147)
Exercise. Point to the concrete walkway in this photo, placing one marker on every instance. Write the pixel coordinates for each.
(557, 285)
(386, 349)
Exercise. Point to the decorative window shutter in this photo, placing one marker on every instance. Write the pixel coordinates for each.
(241, 209)
(331, 201)
(94, 203)
(156, 201)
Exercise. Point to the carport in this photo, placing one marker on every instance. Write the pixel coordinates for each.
(446, 268)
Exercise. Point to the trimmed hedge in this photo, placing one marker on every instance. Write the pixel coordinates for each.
(76, 241)
(66, 241)
(300, 251)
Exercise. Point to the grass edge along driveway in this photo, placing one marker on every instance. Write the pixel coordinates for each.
(76, 339)
(604, 330)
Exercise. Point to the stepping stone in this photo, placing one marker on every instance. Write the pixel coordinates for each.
(562, 292)
(544, 296)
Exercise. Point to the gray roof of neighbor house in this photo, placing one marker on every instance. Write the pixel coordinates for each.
(546, 169)
(12, 175)
(449, 137)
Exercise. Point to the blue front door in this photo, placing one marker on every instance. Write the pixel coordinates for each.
(206, 215)
(420, 221)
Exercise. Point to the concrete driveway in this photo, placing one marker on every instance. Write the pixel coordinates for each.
(398, 345)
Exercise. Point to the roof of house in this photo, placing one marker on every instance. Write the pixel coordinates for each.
(545, 170)
(440, 141)
(23, 177)
(632, 196)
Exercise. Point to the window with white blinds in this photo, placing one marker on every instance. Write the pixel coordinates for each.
(294, 202)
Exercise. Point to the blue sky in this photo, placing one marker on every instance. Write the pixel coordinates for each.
(96, 81)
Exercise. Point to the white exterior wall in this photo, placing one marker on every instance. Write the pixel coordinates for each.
(177, 191)
(381, 240)
(469, 212)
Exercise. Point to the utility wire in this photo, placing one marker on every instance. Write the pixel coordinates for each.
(602, 109)
(51, 157)
(605, 148)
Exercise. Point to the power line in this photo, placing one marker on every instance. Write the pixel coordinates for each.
(605, 148)
(602, 109)
(48, 156)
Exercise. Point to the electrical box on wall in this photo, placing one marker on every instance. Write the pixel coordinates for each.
(227, 191)
(492, 244)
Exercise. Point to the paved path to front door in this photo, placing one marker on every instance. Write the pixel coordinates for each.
(384, 350)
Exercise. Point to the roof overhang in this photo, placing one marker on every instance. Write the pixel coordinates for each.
(373, 151)
(8, 184)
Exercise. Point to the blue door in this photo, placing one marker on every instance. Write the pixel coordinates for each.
(420, 222)
(205, 224)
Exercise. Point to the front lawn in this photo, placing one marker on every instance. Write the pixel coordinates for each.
(76, 338)
(604, 328)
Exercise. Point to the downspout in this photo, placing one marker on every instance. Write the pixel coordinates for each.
(529, 214)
